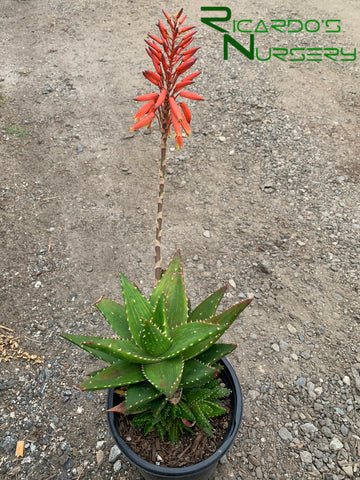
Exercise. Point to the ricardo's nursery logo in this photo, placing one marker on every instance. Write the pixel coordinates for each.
(290, 26)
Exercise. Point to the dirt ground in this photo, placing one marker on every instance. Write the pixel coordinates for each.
(264, 196)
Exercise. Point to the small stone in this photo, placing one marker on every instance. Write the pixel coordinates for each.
(308, 428)
(232, 283)
(336, 445)
(222, 139)
(253, 394)
(265, 267)
(115, 454)
(283, 345)
(232, 152)
(99, 457)
(100, 444)
(89, 268)
(196, 258)
(117, 466)
(293, 356)
(206, 233)
(80, 148)
(291, 329)
(306, 354)
(275, 347)
(285, 435)
(306, 457)
(37, 284)
(348, 470)
(344, 430)
(301, 381)
(346, 380)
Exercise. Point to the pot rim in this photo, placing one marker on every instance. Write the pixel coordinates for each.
(236, 418)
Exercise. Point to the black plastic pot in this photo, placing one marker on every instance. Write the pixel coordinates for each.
(199, 471)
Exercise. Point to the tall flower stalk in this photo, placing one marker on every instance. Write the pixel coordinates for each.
(171, 57)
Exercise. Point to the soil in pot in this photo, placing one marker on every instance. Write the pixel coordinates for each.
(191, 449)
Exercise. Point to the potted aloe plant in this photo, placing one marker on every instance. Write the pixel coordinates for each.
(166, 375)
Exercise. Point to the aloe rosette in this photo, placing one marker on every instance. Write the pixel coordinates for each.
(164, 359)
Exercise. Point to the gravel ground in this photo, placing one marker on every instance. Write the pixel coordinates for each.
(264, 197)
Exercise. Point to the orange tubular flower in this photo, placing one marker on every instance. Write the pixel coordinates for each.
(172, 56)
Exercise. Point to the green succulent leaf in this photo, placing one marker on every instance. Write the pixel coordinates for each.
(160, 317)
(118, 374)
(136, 307)
(165, 376)
(213, 391)
(158, 405)
(172, 286)
(186, 336)
(184, 411)
(138, 397)
(120, 349)
(201, 420)
(80, 341)
(211, 409)
(208, 307)
(225, 319)
(116, 316)
(231, 314)
(153, 341)
(215, 352)
(196, 374)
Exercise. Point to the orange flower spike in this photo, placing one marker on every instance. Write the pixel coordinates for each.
(146, 97)
(144, 110)
(186, 29)
(152, 77)
(185, 126)
(191, 51)
(191, 95)
(143, 122)
(175, 110)
(186, 111)
(185, 66)
(161, 98)
(167, 16)
(182, 19)
(153, 37)
(191, 76)
(162, 29)
(182, 84)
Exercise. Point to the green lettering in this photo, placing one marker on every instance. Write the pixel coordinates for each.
(295, 21)
(239, 29)
(327, 22)
(331, 55)
(261, 23)
(282, 52)
(310, 50)
(279, 26)
(263, 59)
(248, 53)
(292, 50)
(352, 56)
(209, 20)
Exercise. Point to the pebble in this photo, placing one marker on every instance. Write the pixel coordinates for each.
(100, 457)
(336, 445)
(117, 466)
(284, 434)
(306, 457)
(291, 329)
(265, 267)
(115, 454)
(308, 428)
(275, 347)
(206, 233)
